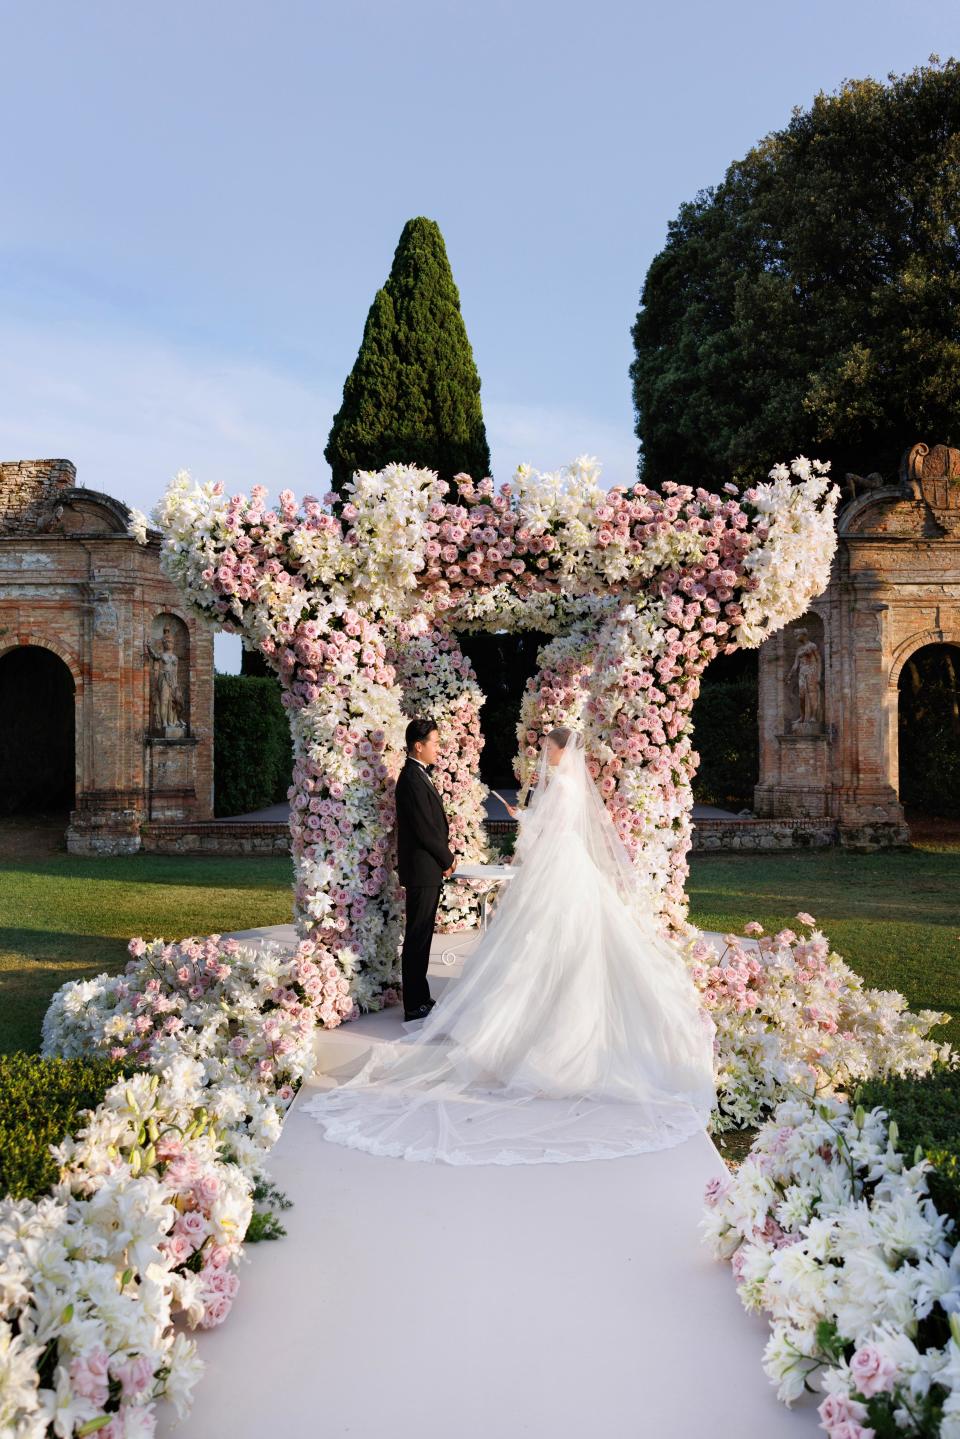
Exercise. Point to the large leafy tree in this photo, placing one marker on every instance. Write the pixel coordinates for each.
(810, 303)
(413, 394)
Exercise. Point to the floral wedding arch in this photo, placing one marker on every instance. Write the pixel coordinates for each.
(356, 606)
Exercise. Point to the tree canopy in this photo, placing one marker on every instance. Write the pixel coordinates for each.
(810, 303)
(413, 395)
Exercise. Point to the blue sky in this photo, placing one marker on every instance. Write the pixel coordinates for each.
(202, 198)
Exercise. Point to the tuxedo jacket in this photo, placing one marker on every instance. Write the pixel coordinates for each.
(422, 830)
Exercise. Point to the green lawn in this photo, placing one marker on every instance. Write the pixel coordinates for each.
(65, 917)
(895, 917)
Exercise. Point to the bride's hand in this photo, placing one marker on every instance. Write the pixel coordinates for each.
(512, 810)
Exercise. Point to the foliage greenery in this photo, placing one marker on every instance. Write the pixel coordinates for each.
(41, 1101)
(810, 302)
(926, 1114)
(725, 737)
(253, 759)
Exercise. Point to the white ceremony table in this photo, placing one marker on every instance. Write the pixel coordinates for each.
(491, 876)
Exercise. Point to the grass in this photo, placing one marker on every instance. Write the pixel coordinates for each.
(66, 917)
(894, 916)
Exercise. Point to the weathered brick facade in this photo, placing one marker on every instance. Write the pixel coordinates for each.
(72, 581)
(895, 588)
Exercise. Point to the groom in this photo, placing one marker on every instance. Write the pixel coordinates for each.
(424, 861)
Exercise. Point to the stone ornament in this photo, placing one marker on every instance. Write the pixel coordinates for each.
(808, 668)
(167, 695)
(933, 475)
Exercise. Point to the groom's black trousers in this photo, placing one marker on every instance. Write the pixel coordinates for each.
(422, 904)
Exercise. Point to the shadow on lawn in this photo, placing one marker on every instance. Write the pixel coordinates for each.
(188, 871)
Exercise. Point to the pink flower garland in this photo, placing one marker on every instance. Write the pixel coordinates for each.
(439, 683)
(701, 565)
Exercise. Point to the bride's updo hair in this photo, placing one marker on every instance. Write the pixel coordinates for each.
(561, 736)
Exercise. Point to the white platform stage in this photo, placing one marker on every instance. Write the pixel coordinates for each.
(420, 1301)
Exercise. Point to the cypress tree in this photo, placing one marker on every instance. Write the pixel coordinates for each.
(413, 395)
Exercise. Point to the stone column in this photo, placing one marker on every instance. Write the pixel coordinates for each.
(869, 813)
(110, 807)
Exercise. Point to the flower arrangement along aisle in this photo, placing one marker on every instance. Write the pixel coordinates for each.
(147, 1221)
(831, 1231)
(829, 1222)
(318, 589)
(789, 1013)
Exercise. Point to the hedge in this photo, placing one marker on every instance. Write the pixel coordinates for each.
(927, 1113)
(41, 1101)
(252, 752)
(726, 738)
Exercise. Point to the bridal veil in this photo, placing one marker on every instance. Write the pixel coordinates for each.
(575, 1031)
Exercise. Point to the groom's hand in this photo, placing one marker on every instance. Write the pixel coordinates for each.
(448, 872)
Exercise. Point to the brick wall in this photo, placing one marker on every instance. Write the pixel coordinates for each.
(28, 491)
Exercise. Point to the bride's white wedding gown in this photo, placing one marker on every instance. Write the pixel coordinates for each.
(575, 1031)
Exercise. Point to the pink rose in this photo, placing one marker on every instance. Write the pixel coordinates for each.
(206, 1189)
(715, 1190)
(839, 1409)
(177, 1249)
(215, 1310)
(135, 1375)
(874, 1371)
(192, 1226)
(222, 1280)
(216, 1256)
(89, 1376)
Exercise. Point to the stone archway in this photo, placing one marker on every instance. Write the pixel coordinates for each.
(37, 732)
(928, 688)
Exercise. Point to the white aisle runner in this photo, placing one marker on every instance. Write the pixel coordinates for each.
(421, 1301)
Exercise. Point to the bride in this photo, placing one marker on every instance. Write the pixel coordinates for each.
(575, 1031)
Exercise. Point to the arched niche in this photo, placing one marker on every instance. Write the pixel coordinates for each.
(168, 656)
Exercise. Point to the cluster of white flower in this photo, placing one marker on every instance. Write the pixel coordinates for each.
(798, 540)
(387, 510)
(830, 1230)
(246, 1015)
(790, 1011)
(147, 1221)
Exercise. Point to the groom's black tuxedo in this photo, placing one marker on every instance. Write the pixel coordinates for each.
(423, 854)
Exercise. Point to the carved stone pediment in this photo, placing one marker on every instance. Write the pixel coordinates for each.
(887, 512)
(87, 512)
(933, 476)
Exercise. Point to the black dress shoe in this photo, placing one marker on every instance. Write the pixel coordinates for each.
(420, 1013)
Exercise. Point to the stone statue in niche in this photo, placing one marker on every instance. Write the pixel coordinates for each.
(167, 695)
(808, 668)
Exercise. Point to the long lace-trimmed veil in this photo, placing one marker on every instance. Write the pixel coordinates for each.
(567, 788)
(575, 1031)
